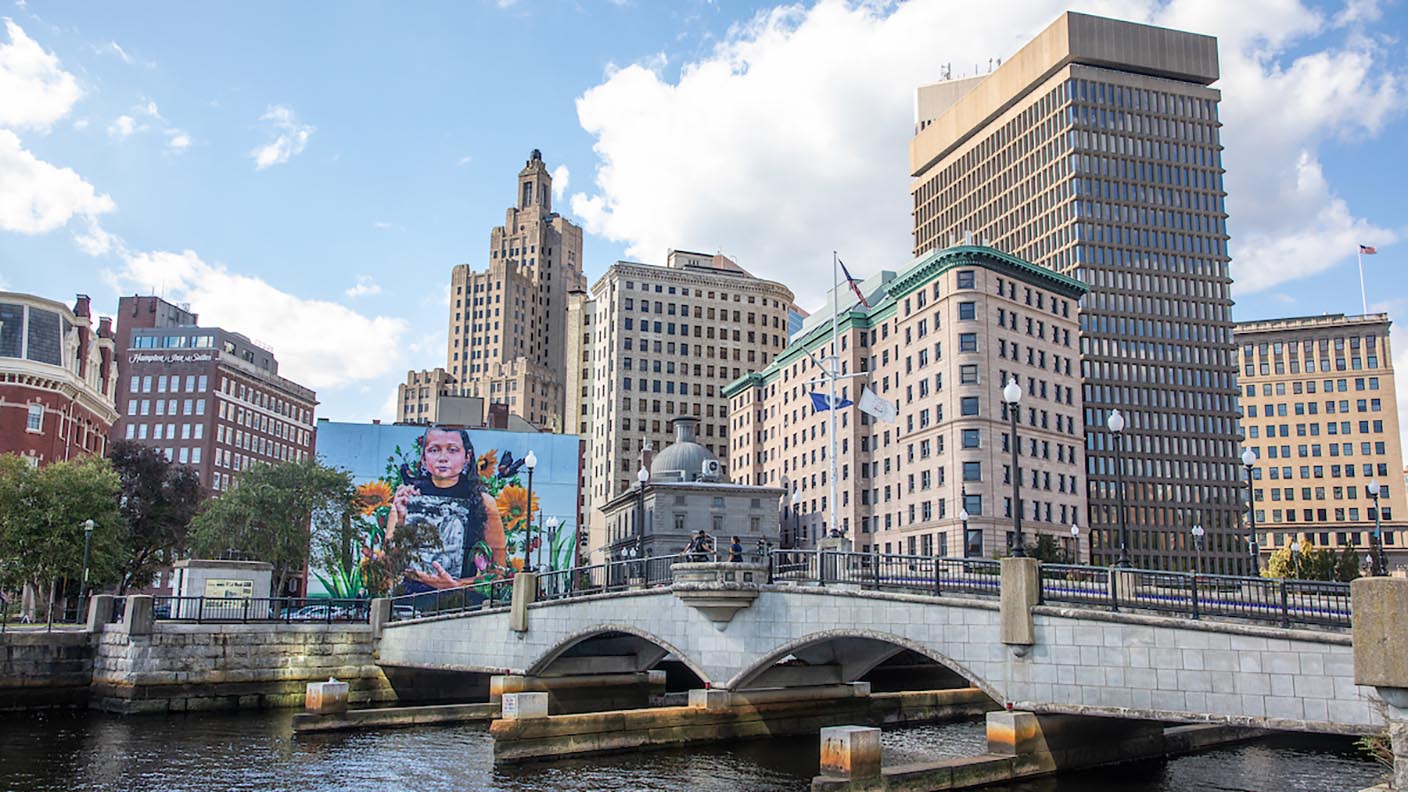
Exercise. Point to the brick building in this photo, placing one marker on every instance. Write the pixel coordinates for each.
(57, 378)
(210, 398)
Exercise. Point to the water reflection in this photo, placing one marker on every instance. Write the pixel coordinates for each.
(88, 751)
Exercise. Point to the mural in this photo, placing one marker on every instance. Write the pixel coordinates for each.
(466, 490)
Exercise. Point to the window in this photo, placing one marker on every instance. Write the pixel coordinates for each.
(967, 342)
(972, 471)
(967, 310)
(34, 420)
(968, 374)
(970, 438)
(968, 405)
(965, 279)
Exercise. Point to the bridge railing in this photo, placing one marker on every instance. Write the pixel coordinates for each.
(607, 577)
(290, 610)
(1281, 600)
(452, 600)
(886, 571)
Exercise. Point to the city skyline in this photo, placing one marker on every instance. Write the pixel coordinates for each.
(355, 230)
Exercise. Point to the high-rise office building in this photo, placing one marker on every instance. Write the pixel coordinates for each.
(1095, 151)
(940, 340)
(207, 397)
(1321, 414)
(653, 343)
(507, 323)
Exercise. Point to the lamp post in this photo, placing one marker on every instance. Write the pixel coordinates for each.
(1075, 543)
(796, 518)
(1295, 558)
(551, 523)
(1380, 563)
(1197, 532)
(88, 526)
(1249, 462)
(1012, 394)
(529, 462)
(1115, 423)
(642, 476)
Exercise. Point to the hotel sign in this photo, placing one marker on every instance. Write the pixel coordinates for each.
(171, 357)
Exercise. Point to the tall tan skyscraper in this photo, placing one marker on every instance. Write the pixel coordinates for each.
(1094, 151)
(653, 343)
(1322, 418)
(507, 323)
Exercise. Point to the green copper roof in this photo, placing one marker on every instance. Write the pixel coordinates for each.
(918, 275)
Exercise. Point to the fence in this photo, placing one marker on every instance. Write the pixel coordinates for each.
(452, 600)
(204, 610)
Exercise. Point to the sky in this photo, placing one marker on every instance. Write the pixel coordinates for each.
(308, 173)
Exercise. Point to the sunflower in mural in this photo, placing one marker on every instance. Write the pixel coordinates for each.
(373, 495)
(513, 506)
(488, 462)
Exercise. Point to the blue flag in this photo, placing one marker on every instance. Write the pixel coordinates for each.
(821, 401)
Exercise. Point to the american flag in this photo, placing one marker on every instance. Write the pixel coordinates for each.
(1368, 250)
(854, 284)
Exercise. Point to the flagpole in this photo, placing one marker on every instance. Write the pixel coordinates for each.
(1363, 300)
(834, 374)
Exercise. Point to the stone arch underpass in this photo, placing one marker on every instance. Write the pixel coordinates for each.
(1082, 661)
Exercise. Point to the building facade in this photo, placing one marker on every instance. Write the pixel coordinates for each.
(209, 398)
(652, 342)
(418, 398)
(1095, 151)
(1320, 412)
(940, 340)
(507, 323)
(685, 495)
(57, 379)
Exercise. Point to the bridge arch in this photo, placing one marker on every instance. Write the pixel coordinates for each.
(641, 640)
(863, 649)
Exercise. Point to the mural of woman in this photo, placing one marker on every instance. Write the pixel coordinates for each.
(446, 492)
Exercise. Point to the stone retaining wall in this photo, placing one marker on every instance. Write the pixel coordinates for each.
(44, 669)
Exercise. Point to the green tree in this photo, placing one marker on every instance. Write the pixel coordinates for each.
(42, 515)
(158, 501)
(1047, 550)
(273, 513)
(1347, 565)
(1312, 563)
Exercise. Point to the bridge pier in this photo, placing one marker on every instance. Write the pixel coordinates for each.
(577, 693)
(1381, 656)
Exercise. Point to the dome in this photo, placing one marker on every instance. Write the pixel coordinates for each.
(684, 459)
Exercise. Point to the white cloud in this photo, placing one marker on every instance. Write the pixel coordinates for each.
(561, 177)
(35, 91)
(465, 160)
(320, 344)
(365, 285)
(123, 127)
(36, 197)
(80, 124)
(290, 137)
(792, 134)
(177, 141)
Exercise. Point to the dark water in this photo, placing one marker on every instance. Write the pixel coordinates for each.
(89, 751)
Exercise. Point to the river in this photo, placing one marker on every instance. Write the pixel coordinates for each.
(87, 752)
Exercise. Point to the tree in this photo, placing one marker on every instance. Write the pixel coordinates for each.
(158, 501)
(1347, 566)
(1046, 550)
(1312, 563)
(268, 513)
(42, 512)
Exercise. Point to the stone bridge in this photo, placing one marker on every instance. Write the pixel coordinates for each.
(750, 635)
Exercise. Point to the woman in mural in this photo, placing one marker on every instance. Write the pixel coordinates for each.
(446, 493)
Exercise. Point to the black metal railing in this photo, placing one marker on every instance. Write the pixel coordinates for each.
(1282, 600)
(289, 610)
(452, 600)
(611, 576)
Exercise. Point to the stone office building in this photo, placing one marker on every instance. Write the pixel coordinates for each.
(1094, 151)
(685, 494)
(941, 340)
(207, 397)
(651, 342)
(1320, 410)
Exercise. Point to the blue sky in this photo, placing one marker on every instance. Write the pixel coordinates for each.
(308, 173)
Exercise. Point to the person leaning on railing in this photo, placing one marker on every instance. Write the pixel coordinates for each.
(700, 548)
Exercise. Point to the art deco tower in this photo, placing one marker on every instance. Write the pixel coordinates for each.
(1095, 151)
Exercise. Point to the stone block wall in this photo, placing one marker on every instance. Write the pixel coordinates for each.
(231, 666)
(44, 669)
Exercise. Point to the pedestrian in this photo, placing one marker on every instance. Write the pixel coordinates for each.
(698, 547)
(735, 551)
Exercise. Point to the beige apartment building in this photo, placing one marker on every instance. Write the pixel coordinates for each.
(654, 342)
(940, 340)
(1320, 412)
(1094, 151)
(508, 322)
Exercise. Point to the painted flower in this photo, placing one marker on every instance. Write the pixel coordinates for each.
(488, 461)
(513, 506)
(516, 563)
(373, 495)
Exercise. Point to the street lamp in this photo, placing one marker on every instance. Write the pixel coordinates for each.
(796, 517)
(1075, 542)
(642, 476)
(963, 518)
(1295, 558)
(529, 462)
(1380, 563)
(1115, 423)
(551, 523)
(1012, 394)
(1197, 546)
(1249, 462)
(88, 526)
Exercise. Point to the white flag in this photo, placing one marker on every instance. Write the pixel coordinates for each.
(882, 409)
